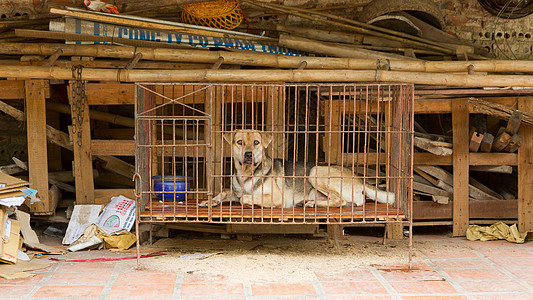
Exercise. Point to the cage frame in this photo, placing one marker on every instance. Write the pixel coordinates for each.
(143, 90)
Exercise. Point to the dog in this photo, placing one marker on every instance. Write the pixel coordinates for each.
(261, 180)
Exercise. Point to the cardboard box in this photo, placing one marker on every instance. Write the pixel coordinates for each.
(10, 249)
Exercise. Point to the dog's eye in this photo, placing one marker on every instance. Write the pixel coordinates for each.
(239, 142)
(256, 142)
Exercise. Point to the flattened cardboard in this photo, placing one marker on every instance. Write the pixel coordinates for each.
(31, 240)
(9, 253)
(18, 270)
(7, 182)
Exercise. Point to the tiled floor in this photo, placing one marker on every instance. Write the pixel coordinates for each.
(459, 269)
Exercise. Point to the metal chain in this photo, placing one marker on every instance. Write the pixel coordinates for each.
(79, 101)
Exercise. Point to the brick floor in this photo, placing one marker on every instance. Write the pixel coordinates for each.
(474, 270)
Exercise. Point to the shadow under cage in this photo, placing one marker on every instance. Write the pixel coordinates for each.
(274, 153)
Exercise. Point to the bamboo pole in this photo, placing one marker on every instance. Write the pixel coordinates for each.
(313, 46)
(364, 28)
(322, 35)
(263, 59)
(132, 75)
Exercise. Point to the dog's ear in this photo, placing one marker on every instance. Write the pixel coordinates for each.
(267, 139)
(228, 137)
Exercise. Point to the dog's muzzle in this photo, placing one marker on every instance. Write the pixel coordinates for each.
(248, 157)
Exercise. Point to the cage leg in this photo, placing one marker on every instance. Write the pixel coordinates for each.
(150, 234)
(394, 230)
(385, 230)
(334, 235)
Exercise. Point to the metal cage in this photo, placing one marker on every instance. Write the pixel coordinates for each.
(193, 142)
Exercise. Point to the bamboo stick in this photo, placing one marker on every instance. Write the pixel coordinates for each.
(322, 35)
(132, 75)
(364, 28)
(262, 59)
(314, 46)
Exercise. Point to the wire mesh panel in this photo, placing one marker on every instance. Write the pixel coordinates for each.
(275, 153)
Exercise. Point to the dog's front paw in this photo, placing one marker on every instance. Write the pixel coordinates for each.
(310, 203)
(206, 203)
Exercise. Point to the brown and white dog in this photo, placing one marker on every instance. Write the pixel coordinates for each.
(260, 180)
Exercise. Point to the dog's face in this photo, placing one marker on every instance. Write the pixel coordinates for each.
(248, 146)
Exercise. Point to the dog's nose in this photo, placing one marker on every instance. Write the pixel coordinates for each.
(248, 154)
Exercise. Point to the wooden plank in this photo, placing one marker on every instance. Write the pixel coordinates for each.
(525, 172)
(460, 167)
(37, 151)
(14, 89)
(103, 196)
(479, 209)
(83, 162)
(430, 189)
(113, 147)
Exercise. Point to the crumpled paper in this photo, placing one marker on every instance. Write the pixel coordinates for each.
(112, 237)
(498, 231)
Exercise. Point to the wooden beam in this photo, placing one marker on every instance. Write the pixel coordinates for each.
(113, 147)
(525, 173)
(460, 167)
(37, 150)
(479, 209)
(110, 93)
(14, 89)
(81, 140)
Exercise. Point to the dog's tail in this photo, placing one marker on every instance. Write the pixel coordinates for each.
(378, 195)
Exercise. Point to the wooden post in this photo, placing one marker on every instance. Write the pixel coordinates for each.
(83, 163)
(37, 150)
(460, 167)
(525, 172)
(143, 156)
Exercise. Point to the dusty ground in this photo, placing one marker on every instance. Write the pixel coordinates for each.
(271, 257)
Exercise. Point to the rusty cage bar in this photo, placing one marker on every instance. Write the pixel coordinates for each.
(273, 153)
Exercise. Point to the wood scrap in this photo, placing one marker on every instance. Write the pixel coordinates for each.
(440, 199)
(475, 140)
(514, 123)
(428, 145)
(515, 143)
(10, 169)
(501, 141)
(486, 142)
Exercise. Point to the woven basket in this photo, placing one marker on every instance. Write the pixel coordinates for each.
(223, 14)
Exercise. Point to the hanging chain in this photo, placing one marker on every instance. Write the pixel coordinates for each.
(79, 101)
